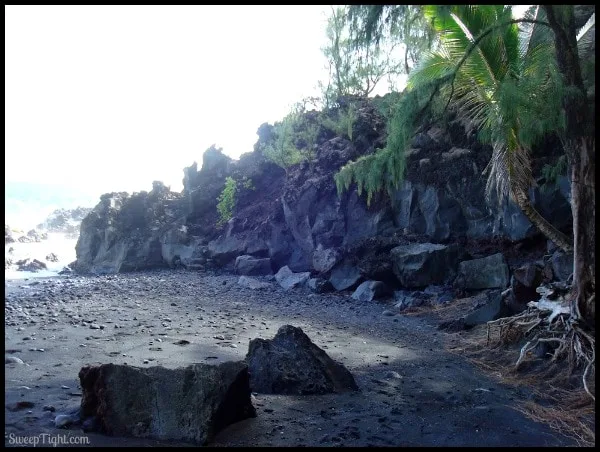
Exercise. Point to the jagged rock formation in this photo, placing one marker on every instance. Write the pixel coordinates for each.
(291, 363)
(126, 233)
(191, 403)
(299, 221)
(66, 221)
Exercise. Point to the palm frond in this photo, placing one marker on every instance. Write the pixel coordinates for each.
(586, 38)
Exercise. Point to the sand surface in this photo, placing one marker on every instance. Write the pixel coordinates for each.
(412, 391)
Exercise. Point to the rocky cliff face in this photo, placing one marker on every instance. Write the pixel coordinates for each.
(66, 221)
(126, 233)
(299, 220)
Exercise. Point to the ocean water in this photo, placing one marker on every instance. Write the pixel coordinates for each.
(57, 243)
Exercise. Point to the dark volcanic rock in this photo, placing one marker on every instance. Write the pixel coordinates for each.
(345, 276)
(492, 310)
(288, 279)
(190, 404)
(52, 257)
(325, 259)
(406, 299)
(370, 290)
(562, 265)
(30, 265)
(127, 233)
(486, 273)
(319, 285)
(524, 282)
(422, 264)
(296, 217)
(251, 266)
(225, 249)
(291, 364)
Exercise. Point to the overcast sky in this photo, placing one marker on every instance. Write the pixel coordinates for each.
(113, 97)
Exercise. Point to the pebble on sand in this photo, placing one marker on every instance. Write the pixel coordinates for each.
(13, 360)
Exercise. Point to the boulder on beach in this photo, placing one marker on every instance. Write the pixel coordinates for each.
(189, 404)
(291, 363)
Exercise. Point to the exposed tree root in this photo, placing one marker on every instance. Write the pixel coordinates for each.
(549, 323)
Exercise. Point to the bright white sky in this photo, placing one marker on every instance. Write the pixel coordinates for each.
(114, 97)
(110, 98)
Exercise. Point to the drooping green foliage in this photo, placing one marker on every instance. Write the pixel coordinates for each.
(385, 168)
(505, 85)
(551, 173)
(508, 87)
(227, 200)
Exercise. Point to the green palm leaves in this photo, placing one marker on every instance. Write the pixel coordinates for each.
(505, 85)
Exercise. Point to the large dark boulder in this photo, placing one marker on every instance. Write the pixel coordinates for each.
(289, 280)
(486, 273)
(562, 265)
(524, 282)
(224, 249)
(188, 404)
(345, 276)
(370, 290)
(325, 259)
(251, 266)
(291, 363)
(422, 264)
(494, 309)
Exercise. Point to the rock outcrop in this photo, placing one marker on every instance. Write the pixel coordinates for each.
(30, 265)
(486, 273)
(189, 404)
(291, 363)
(66, 221)
(125, 233)
(296, 219)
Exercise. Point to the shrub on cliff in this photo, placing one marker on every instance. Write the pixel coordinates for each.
(226, 201)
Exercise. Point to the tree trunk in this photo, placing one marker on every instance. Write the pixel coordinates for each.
(583, 192)
(561, 240)
(580, 143)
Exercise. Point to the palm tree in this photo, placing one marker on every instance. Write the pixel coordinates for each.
(507, 88)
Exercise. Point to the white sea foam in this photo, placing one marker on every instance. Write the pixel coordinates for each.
(57, 243)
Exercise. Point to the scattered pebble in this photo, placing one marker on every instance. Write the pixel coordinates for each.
(63, 420)
(13, 360)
